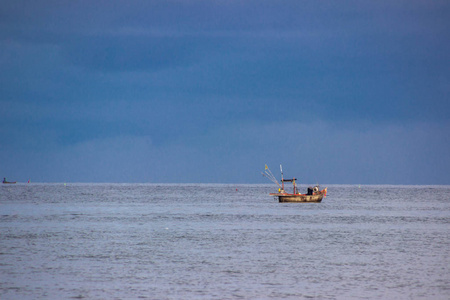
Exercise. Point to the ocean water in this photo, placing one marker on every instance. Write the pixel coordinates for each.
(206, 241)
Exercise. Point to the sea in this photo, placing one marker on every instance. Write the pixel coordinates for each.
(222, 241)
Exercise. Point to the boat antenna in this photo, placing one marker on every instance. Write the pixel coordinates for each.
(282, 179)
(267, 173)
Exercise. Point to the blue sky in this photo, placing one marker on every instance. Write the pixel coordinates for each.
(345, 92)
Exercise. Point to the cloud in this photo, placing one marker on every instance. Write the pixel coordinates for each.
(131, 54)
(313, 152)
(213, 90)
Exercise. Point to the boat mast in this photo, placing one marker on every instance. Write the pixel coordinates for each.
(282, 180)
(294, 185)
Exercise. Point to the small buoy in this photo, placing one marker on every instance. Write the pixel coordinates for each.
(236, 190)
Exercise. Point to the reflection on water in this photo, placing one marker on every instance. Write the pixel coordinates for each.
(103, 241)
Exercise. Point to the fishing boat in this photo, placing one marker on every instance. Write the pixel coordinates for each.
(314, 194)
(8, 182)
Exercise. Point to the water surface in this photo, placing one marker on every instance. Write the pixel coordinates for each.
(205, 241)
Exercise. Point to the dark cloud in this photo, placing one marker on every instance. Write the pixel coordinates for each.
(131, 54)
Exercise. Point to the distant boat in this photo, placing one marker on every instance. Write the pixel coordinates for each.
(8, 182)
(314, 194)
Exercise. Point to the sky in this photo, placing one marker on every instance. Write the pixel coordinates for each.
(338, 92)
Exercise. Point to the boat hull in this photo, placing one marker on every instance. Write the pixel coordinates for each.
(315, 198)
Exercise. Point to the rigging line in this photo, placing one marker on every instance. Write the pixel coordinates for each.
(271, 174)
(271, 179)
